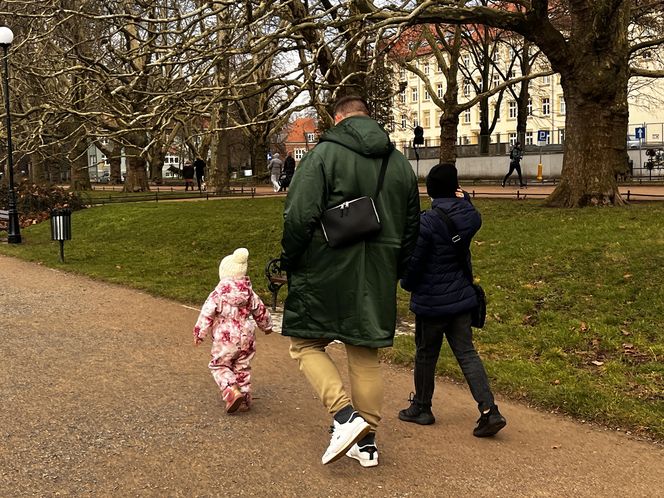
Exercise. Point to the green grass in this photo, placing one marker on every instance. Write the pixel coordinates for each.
(576, 297)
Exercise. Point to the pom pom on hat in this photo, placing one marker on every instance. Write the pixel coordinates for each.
(234, 265)
(442, 181)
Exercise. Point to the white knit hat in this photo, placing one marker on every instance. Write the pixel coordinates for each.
(234, 265)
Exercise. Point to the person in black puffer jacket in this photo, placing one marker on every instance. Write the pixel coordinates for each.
(442, 299)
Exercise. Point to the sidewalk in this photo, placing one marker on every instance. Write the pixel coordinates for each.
(103, 394)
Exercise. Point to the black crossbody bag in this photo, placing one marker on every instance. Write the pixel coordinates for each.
(356, 219)
(478, 314)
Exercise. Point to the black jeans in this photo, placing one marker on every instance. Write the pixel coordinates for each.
(429, 334)
(514, 166)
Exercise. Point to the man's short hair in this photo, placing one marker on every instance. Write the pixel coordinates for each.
(351, 104)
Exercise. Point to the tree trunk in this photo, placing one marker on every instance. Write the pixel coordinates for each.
(592, 150)
(80, 174)
(115, 162)
(137, 178)
(594, 82)
(449, 123)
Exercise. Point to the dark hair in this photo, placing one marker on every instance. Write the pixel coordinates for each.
(350, 104)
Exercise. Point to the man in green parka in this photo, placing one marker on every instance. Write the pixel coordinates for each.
(347, 294)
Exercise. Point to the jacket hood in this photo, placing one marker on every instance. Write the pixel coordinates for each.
(236, 291)
(361, 134)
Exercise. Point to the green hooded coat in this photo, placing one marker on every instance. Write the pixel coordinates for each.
(349, 293)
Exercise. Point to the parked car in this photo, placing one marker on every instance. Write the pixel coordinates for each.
(633, 142)
(105, 177)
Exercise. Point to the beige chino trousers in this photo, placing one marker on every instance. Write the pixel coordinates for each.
(366, 380)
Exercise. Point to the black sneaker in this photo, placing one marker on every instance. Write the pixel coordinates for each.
(489, 423)
(416, 413)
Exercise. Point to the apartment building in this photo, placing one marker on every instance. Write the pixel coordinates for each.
(414, 106)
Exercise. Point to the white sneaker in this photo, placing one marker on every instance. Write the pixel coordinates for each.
(367, 455)
(344, 436)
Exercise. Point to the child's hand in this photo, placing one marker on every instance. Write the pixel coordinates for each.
(268, 331)
(197, 340)
(459, 193)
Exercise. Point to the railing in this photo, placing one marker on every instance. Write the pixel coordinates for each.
(172, 195)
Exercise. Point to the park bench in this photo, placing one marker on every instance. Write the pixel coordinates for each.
(4, 217)
(276, 278)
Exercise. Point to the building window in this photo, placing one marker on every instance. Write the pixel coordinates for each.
(561, 135)
(298, 153)
(529, 138)
(416, 121)
(466, 116)
(311, 137)
(466, 60)
(546, 106)
(402, 97)
(512, 138)
(511, 106)
(426, 68)
(530, 107)
(440, 90)
(546, 79)
(404, 121)
(563, 108)
(413, 93)
(495, 80)
(426, 95)
(426, 119)
(402, 74)
(466, 87)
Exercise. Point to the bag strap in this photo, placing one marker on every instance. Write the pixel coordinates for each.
(383, 168)
(461, 254)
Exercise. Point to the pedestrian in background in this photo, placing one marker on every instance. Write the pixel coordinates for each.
(515, 163)
(288, 172)
(199, 168)
(442, 299)
(275, 166)
(347, 294)
(226, 315)
(188, 175)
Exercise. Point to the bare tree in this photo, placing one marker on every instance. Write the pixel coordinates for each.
(589, 44)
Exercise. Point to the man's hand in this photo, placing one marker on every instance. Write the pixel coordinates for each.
(197, 340)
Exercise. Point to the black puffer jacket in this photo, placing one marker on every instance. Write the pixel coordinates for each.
(435, 277)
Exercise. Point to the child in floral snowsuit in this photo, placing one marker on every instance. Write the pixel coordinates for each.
(226, 313)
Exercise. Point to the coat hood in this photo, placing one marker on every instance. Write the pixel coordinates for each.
(361, 134)
(236, 291)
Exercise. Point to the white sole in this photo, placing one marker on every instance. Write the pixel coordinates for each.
(363, 462)
(359, 432)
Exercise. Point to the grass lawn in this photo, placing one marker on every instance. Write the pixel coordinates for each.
(576, 297)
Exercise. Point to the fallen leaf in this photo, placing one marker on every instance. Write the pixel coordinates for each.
(555, 447)
(628, 345)
(118, 267)
(556, 382)
(597, 363)
(583, 327)
(625, 333)
(479, 242)
(627, 275)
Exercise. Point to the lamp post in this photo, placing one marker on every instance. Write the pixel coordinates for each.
(14, 229)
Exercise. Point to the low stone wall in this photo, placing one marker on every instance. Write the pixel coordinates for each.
(495, 167)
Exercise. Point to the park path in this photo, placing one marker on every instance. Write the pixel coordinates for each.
(103, 394)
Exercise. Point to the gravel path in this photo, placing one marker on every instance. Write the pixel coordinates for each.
(102, 394)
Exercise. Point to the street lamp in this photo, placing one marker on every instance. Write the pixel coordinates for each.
(14, 229)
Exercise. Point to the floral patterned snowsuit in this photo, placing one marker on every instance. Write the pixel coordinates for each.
(226, 313)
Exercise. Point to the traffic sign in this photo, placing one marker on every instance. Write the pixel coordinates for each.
(542, 135)
(640, 132)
